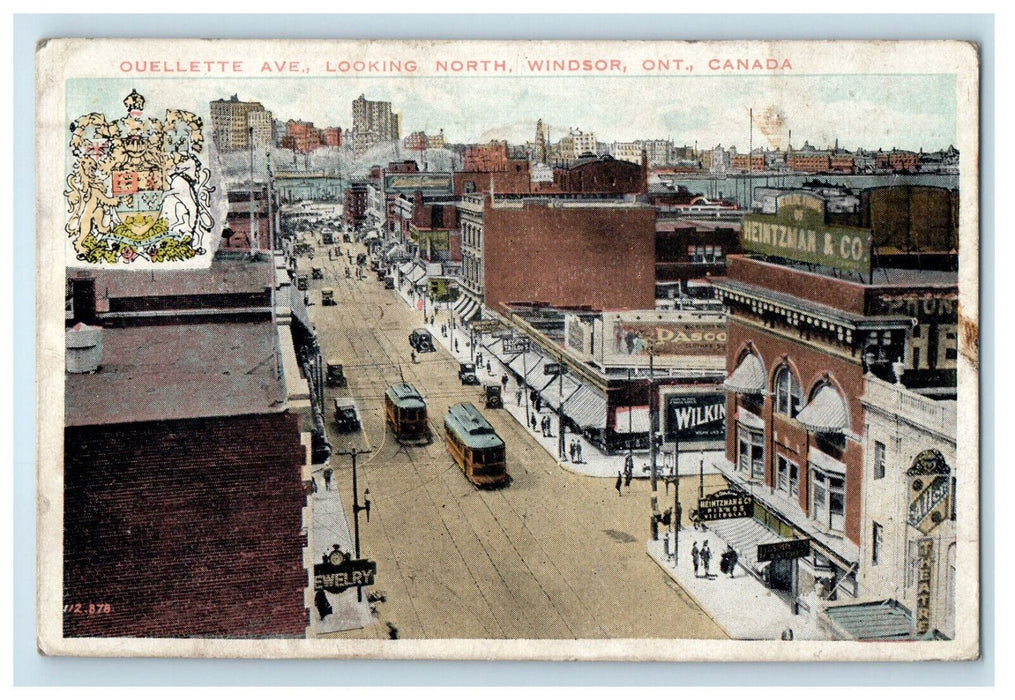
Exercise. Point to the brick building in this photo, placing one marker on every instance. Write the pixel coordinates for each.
(184, 464)
(602, 175)
(486, 158)
(572, 246)
(808, 327)
(692, 250)
(355, 210)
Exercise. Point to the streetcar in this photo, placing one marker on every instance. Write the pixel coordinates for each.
(475, 446)
(405, 412)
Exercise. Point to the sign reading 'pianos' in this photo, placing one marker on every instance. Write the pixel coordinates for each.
(724, 505)
(798, 231)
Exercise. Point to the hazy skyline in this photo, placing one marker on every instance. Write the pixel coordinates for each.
(866, 111)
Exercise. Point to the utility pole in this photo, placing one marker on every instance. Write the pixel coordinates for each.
(652, 413)
(254, 244)
(356, 507)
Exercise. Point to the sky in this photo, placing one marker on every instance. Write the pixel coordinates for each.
(868, 111)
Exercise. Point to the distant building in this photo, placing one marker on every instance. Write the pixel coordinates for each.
(355, 209)
(486, 158)
(331, 136)
(631, 151)
(542, 142)
(416, 141)
(436, 140)
(605, 175)
(373, 122)
(231, 122)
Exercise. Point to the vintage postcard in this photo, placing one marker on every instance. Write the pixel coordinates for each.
(508, 350)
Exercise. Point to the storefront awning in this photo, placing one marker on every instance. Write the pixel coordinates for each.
(551, 393)
(416, 274)
(748, 377)
(744, 535)
(587, 408)
(470, 311)
(495, 346)
(405, 268)
(885, 619)
(826, 413)
(750, 420)
(525, 362)
(634, 419)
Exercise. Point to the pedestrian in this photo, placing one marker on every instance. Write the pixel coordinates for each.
(533, 418)
(627, 479)
(570, 450)
(313, 485)
(539, 402)
(654, 525)
(578, 451)
(456, 344)
(489, 369)
(667, 548)
(706, 558)
(327, 479)
(503, 382)
(518, 396)
(695, 557)
(620, 481)
(543, 424)
(629, 464)
(732, 557)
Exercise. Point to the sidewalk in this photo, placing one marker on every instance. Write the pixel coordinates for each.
(331, 527)
(741, 605)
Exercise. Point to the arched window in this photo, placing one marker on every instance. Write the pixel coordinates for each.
(788, 394)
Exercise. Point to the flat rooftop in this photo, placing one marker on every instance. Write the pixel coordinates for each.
(880, 277)
(223, 276)
(178, 372)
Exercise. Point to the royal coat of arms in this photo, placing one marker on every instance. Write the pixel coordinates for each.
(137, 188)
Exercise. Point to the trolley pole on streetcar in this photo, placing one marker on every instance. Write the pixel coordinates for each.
(356, 507)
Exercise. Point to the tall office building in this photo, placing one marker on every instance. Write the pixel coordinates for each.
(231, 121)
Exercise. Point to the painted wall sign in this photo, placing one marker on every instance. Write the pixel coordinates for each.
(677, 338)
(427, 183)
(695, 417)
(798, 232)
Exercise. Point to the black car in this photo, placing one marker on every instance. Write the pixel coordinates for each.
(346, 416)
(467, 373)
(421, 340)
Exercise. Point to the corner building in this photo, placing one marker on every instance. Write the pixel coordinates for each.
(805, 339)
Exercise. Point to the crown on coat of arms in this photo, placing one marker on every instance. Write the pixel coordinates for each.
(134, 101)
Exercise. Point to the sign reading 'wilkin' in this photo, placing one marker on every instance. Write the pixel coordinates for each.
(798, 231)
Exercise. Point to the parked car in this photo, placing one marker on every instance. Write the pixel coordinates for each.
(467, 373)
(346, 416)
(335, 373)
(492, 396)
(421, 340)
(327, 297)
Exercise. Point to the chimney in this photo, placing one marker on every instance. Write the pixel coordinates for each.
(84, 349)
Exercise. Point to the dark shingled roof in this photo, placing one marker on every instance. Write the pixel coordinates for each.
(177, 372)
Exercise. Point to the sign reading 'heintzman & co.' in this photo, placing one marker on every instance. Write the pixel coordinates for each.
(798, 231)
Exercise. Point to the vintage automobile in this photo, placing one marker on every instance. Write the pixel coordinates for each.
(389, 282)
(346, 416)
(335, 373)
(327, 237)
(421, 340)
(327, 297)
(317, 273)
(467, 373)
(301, 282)
(492, 396)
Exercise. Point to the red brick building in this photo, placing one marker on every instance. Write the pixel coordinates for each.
(803, 338)
(486, 158)
(560, 253)
(514, 178)
(602, 175)
(356, 203)
(183, 466)
(693, 250)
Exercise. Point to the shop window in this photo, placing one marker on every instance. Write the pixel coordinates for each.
(828, 500)
(787, 476)
(877, 543)
(788, 394)
(879, 460)
(751, 448)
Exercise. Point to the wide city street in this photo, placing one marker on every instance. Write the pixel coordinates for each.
(554, 555)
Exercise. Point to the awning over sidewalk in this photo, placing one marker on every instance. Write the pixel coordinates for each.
(633, 419)
(744, 535)
(495, 346)
(405, 268)
(416, 274)
(885, 619)
(748, 377)
(469, 311)
(587, 408)
(826, 413)
(551, 393)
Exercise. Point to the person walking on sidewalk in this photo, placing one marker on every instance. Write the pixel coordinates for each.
(456, 344)
(731, 559)
(518, 396)
(620, 481)
(706, 558)
(503, 383)
(695, 555)
(570, 450)
(533, 421)
(327, 479)
(578, 451)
